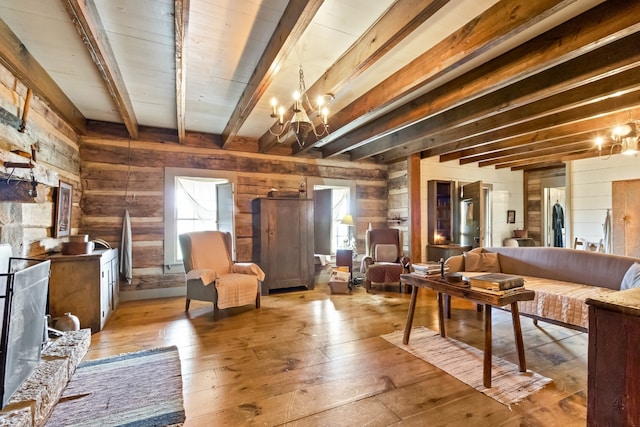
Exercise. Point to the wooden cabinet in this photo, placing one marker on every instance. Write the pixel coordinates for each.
(85, 285)
(613, 395)
(440, 211)
(283, 242)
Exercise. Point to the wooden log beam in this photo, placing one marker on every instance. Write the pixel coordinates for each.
(524, 148)
(586, 127)
(181, 24)
(594, 28)
(495, 26)
(17, 59)
(295, 19)
(556, 89)
(531, 155)
(614, 100)
(542, 159)
(85, 17)
(400, 20)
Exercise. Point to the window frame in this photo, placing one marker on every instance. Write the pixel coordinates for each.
(171, 265)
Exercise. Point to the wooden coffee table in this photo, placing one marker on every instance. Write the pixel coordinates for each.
(488, 300)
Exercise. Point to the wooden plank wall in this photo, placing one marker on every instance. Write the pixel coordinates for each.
(27, 223)
(533, 198)
(113, 167)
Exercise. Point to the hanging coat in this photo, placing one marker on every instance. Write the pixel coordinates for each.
(558, 225)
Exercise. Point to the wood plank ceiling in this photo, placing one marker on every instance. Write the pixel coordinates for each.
(514, 84)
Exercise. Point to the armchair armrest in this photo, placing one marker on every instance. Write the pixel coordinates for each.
(365, 263)
(207, 275)
(406, 264)
(248, 268)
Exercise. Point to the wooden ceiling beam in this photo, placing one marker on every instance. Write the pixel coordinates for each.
(612, 99)
(558, 151)
(495, 26)
(551, 158)
(523, 148)
(486, 151)
(399, 21)
(296, 18)
(17, 59)
(586, 32)
(577, 81)
(590, 126)
(85, 17)
(538, 166)
(181, 28)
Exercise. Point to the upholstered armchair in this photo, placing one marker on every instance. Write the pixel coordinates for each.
(213, 276)
(384, 261)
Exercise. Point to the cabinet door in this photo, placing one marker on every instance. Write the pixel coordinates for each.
(105, 279)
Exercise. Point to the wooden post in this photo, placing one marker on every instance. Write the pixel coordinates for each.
(415, 228)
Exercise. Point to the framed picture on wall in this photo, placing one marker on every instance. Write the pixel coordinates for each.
(511, 217)
(63, 210)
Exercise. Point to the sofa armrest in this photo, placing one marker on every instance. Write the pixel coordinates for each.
(455, 263)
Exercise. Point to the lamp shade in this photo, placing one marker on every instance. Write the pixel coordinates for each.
(347, 220)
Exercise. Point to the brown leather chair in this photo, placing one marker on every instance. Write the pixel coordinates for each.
(384, 261)
(213, 276)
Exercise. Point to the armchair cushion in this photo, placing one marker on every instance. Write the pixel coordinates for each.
(386, 253)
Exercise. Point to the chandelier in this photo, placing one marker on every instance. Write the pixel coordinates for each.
(299, 122)
(624, 137)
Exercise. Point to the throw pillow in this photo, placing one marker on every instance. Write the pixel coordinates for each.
(386, 253)
(631, 278)
(484, 261)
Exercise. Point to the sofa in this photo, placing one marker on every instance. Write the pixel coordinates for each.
(561, 278)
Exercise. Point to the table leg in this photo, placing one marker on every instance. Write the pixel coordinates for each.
(486, 371)
(409, 322)
(441, 314)
(517, 331)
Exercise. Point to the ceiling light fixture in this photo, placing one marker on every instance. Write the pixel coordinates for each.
(623, 136)
(299, 123)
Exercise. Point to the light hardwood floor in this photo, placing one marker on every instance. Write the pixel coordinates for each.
(308, 358)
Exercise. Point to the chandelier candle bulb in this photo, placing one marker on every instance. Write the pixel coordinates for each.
(274, 106)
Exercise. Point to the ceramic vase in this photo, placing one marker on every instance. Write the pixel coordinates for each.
(66, 323)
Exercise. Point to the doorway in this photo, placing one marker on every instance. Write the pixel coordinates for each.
(553, 221)
(333, 200)
(476, 214)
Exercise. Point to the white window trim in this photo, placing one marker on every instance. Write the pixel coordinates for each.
(170, 266)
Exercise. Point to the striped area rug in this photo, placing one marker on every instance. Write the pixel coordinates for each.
(464, 362)
(140, 389)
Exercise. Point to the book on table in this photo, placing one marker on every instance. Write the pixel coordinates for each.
(498, 292)
(430, 269)
(497, 281)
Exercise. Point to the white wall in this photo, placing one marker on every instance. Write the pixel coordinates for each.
(590, 181)
(507, 193)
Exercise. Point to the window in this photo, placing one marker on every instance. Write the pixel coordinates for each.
(195, 200)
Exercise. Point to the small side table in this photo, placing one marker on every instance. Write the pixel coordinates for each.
(344, 258)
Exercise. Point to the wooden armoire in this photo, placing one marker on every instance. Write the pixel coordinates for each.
(283, 242)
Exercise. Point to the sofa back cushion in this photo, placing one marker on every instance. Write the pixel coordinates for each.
(569, 265)
(481, 261)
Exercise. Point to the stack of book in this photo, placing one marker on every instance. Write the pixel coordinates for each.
(497, 283)
(429, 269)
